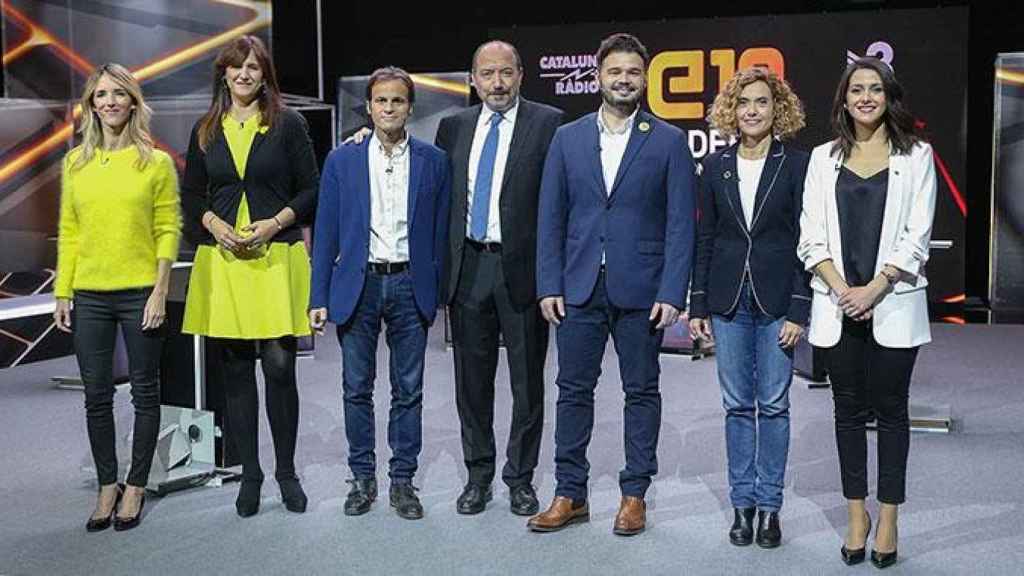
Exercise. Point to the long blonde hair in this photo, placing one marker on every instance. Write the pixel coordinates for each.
(91, 128)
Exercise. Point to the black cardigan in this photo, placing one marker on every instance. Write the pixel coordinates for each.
(281, 171)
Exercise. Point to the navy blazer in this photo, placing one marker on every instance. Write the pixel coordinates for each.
(645, 226)
(341, 241)
(726, 247)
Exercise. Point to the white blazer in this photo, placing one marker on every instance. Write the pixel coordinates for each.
(901, 318)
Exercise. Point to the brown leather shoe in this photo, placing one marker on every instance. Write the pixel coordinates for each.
(562, 512)
(632, 517)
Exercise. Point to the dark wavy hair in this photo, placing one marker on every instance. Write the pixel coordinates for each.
(899, 122)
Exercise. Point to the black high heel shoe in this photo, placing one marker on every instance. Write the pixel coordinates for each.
(101, 524)
(122, 524)
(854, 557)
(885, 559)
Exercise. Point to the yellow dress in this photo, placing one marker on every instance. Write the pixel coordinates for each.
(261, 294)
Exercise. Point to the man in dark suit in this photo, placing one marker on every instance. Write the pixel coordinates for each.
(615, 241)
(497, 151)
(380, 243)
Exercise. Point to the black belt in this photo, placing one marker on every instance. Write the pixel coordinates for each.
(386, 268)
(484, 246)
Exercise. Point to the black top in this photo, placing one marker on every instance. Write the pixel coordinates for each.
(861, 206)
(281, 171)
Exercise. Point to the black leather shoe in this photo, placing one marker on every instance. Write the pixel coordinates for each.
(523, 500)
(474, 499)
(292, 495)
(856, 556)
(248, 501)
(100, 524)
(883, 559)
(769, 533)
(742, 531)
(122, 524)
(362, 494)
(405, 502)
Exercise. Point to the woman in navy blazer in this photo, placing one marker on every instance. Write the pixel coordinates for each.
(750, 293)
(865, 230)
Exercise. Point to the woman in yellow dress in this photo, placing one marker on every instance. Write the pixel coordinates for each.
(250, 178)
(117, 238)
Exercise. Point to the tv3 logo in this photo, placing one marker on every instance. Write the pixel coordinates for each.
(880, 49)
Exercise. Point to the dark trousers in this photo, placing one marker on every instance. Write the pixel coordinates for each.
(480, 312)
(387, 298)
(581, 339)
(871, 381)
(277, 358)
(96, 318)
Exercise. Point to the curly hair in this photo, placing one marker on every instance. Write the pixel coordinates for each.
(789, 110)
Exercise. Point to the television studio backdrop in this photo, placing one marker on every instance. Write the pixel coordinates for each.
(959, 63)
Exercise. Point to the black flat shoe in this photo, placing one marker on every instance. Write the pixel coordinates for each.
(883, 560)
(292, 495)
(101, 524)
(248, 501)
(523, 500)
(474, 499)
(359, 498)
(854, 557)
(742, 531)
(769, 532)
(405, 502)
(122, 524)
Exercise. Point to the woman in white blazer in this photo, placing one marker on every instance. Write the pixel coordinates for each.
(868, 206)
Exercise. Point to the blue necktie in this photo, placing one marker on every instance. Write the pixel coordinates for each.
(482, 185)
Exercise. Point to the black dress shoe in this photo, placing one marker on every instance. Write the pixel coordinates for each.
(856, 556)
(742, 531)
(523, 500)
(362, 494)
(405, 502)
(122, 524)
(100, 524)
(248, 501)
(769, 533)
(883, 559)
(292, 494)
(474, 499)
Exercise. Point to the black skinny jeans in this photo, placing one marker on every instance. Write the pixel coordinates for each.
(277, 357)
(96, 317)
(871, 381)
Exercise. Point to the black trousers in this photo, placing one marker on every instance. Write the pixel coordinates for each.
(96, 318)
(241, 406)
(871, 381)
(480, 312)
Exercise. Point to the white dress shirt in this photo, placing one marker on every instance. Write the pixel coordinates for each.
(750, 177)
(613, 146)
(389, 201)
(483, 126)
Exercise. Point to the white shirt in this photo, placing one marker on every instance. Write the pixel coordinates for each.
(750, 175)
(483, 126)
(613, 147)
(389, 201)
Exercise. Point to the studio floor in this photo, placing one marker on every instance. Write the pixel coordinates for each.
(965, 489)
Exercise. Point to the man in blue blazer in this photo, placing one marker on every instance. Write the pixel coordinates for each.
(614, 248)
(378, 255)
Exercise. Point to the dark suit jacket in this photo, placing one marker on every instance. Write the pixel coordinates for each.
(281, 171)
(520, 188)
(645, 226)
(726, 247)
(341, 248)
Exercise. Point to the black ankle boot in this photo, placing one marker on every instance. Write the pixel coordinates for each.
(292, 495)
(248, 501)
(742, 531)
(769, 532)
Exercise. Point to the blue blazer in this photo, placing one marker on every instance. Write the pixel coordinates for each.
(645, 226)
(727, 247)
(341, 240)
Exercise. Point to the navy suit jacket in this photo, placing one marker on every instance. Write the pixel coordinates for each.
(341, 241)
(726, 246)
(645, 226)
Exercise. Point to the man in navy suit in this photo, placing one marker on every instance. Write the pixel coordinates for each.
(614, 248)
(378, 255)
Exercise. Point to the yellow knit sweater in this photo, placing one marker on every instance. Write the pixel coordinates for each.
(116, 221)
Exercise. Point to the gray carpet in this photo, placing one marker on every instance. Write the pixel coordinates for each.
(964, 492)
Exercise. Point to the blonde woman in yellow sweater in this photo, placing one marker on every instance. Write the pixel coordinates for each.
(118, 236)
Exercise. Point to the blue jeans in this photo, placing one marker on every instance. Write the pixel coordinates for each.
(388, 298)
(755, 373)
